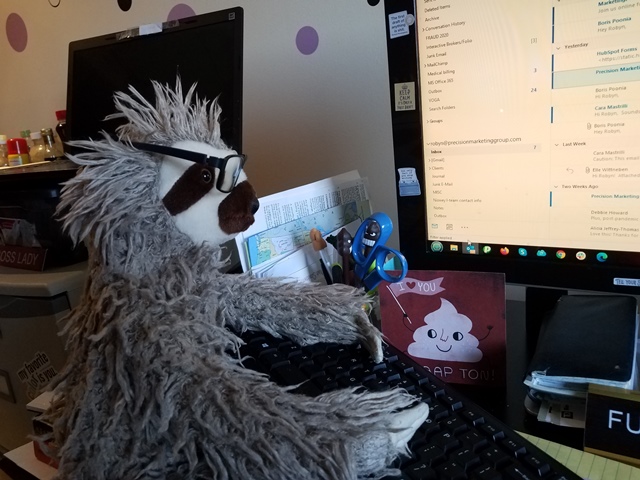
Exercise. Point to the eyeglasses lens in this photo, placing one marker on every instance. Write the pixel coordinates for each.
(230, 172)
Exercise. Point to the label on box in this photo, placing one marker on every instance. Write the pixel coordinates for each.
(612, 427)
(27, 258)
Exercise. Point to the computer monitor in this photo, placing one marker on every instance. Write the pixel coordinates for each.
(207, 49)
(516, 129)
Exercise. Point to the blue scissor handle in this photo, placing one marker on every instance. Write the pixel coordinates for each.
(370, 252)
(378, 273)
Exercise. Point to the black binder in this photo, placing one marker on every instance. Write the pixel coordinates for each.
(588, 339)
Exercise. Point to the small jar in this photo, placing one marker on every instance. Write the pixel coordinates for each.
(51, 149)
(61, 126)
(36, 152)
(18, 150)
(4, 161)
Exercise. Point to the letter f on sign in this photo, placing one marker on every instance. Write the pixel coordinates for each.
(612, 419)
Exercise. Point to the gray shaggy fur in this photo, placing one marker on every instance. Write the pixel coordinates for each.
(154, 386)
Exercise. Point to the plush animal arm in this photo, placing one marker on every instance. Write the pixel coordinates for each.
(304, 313)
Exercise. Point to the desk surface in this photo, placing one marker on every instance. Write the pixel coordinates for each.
(22, 464)
(506, 403)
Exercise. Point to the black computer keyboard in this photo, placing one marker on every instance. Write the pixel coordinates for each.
(459, 440)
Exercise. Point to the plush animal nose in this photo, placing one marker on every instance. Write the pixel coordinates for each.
(255, 205)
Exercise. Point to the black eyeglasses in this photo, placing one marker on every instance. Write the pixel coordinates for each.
(229, 166)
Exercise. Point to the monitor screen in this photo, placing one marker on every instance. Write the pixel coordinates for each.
(516, 138)
(206, 49)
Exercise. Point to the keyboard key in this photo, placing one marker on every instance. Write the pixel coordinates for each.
(312, 371)
(389, 355)
(388, 374)
(538, 465)
(362, 374)
(466, 458)
(325, 360)
(495, 457)
(492, 431)
(473, 417)
(515, 447)
(273, 359)
(290, 350)
(473, 440)
(518, 472)
(453, 402)
(487, 473)
(418, 377)
(407, 385)
(445, 440)
(326, 384)
(349, 381)
(337, 371)
(377, 384)
(420, 471)
(429, 427)
(438, 412)
(433, 389)
(455, 425)
(451, 471)
(431, 454)
(403, 367)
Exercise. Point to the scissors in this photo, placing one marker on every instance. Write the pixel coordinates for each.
(370, 252)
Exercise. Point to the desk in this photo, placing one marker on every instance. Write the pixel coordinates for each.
(506, 403)
(22, 464)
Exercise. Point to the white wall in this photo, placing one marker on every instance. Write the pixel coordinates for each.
(306, 117)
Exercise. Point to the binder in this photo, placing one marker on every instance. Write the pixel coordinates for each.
(586, 339)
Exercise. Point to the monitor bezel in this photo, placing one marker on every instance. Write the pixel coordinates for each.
(234, 14)
(412, 227)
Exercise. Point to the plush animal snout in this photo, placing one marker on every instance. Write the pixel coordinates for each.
(255, 205)
(236, 211)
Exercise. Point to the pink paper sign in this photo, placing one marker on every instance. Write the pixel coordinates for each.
(452, 323)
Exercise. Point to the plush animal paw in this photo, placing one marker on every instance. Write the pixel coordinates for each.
(374, 452)
(370, 336)
(405, 424)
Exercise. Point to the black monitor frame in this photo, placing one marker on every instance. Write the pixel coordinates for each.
(412, 224)
(206, 48)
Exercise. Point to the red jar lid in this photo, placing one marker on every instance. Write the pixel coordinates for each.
(17, 146)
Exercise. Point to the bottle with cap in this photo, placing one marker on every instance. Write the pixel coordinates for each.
(51, 149)
(37, 151)
(26, 134)
(18, 152)
(61, 117)
(4, 161)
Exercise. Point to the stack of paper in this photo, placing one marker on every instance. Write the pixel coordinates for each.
(586, 340)
(278, 244)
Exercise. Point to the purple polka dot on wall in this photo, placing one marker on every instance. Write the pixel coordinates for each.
(16, 32)
(307, 40)
(181, 10)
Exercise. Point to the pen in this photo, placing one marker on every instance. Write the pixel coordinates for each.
(336, 264)
(344, 248)
(404, 314)
(320, 245)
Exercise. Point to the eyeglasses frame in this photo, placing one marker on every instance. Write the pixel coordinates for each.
(197, 157)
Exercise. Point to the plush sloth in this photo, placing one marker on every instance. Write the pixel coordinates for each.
(154, 386)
